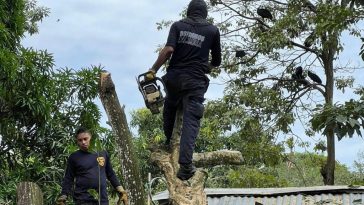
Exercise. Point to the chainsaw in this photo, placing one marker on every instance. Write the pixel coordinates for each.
(151, 91)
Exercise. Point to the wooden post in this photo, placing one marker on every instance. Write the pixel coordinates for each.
(29, 193)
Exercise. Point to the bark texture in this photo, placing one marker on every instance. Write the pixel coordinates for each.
(328, 55)
(29, 193)
(119, 124)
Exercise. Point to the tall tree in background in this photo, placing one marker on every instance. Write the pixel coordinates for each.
(286, 67)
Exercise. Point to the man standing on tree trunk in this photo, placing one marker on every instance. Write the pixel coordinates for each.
(190, 40)
(86, 174)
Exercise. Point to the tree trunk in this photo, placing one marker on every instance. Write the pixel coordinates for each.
(328, 170)
(29, 193)
(189, 192)
(119, 124)
(180, 192)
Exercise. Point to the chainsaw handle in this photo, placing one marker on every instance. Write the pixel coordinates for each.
(143, 75)
(144, 81)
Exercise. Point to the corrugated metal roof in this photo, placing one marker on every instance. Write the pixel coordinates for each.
(321, 199)
(285, 190)
(321, 195)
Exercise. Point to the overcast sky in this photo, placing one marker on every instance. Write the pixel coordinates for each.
(122, 36)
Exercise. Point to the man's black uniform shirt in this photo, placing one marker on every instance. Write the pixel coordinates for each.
(192, 42)
(87, 171)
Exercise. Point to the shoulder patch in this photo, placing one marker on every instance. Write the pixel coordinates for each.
(101, 161)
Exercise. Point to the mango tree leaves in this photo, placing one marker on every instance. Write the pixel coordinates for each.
(346, 119)
(41, 107)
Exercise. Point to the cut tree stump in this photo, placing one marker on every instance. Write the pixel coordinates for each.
(29, 193)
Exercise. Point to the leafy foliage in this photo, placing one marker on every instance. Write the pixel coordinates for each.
(263, 84)
(40, 106)
(294, 170)
(301, 169)
(149, 134)
(251, 177)
(262, 99)
(231, 126)
(345, 119)
(359, 169)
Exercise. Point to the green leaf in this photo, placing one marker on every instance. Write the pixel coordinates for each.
(353, 122)
(358, 131)
(350, 132)
(93, 193)
(341, 119)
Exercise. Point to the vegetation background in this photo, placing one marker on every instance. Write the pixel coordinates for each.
(42, 104)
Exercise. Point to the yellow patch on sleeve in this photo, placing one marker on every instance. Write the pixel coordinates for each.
(101, 161)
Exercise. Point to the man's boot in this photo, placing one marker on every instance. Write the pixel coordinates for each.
(186, 171)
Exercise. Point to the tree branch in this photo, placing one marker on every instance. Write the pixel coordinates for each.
(222, 157)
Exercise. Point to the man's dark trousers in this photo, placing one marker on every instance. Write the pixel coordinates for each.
(190, 100)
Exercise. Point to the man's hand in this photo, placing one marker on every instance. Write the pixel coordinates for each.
(61, 200)
(123, 195)
(150, 75)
